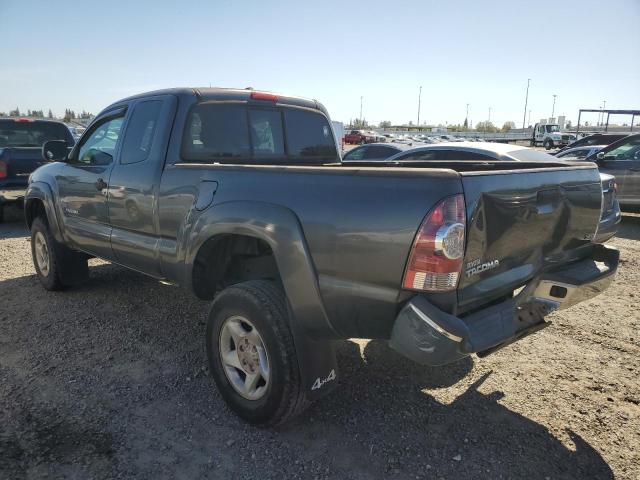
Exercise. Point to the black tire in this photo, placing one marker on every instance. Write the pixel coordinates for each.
(548, 144)
(65, 266)
(1, 213)
(264, 304)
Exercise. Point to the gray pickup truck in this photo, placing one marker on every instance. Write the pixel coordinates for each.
(240, 196)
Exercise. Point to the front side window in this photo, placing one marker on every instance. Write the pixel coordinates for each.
(100, 146)
(234, 132)
(141, 131)
(626, 151)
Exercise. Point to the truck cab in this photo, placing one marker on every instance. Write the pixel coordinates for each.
(549, 136)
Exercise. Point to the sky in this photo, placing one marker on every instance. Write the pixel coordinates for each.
(84, 55)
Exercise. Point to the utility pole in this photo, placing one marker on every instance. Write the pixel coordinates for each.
(361, 124)
(419, 98)
(466, 117)
(489, 114)
(553, 109)
(529, 123)
(604, 107)
(526, 101)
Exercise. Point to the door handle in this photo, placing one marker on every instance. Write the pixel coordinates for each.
(100, 184)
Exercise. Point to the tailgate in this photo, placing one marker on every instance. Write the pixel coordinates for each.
(520, 223)
(20, 163)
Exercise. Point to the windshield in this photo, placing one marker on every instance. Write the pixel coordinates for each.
(16, 133)
(552, 128)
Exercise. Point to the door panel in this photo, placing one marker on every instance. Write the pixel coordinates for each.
(83, 187)
(134, 184)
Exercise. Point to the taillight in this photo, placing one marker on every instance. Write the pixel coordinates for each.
(264, 96)
(3, 169)
(436, 256)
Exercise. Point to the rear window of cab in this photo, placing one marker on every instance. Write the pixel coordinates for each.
(238, 133)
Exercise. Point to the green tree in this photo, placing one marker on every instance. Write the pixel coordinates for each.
(14, 113)
(50, 114)
(508, 126)
(486, 127)
(385, 124)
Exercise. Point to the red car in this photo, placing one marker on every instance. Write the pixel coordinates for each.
(359, 137)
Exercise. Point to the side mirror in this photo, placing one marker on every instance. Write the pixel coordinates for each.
(55, 151)
(600, 155)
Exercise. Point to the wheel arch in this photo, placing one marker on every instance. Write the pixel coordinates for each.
(38, 201)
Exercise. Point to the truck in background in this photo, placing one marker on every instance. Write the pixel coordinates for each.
(549, 136)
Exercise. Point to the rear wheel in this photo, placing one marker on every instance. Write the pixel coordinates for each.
(56, 265)
(251, 353)
(548, 144)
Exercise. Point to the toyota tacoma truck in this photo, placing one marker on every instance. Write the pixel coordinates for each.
(240, 196)
(21, 141)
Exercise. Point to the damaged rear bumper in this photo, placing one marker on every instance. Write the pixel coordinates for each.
(429, 336)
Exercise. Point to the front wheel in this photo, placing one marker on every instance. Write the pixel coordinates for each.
(57, 266)
(251, 353)
(548, 144)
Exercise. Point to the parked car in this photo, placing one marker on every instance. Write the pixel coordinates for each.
(374, 151)
(622, 160)
(596, 139)
(247, 203)
(579, 153)
(21, 141)
(359, 137)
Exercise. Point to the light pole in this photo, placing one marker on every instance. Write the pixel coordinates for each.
(466, 117)
(526, 101)
(489, 115)
(553, 109)
(419, 98)
(529, 122)
(361, 111)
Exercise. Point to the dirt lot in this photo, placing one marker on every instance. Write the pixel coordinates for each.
(109, 381)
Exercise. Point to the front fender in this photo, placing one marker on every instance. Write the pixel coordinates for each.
(42, 191)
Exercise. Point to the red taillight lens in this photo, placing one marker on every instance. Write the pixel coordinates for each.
(24, 120)
(3, 169)
(436, 256)
(264, 96)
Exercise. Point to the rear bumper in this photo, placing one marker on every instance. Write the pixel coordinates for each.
(11, 194)
(429, 336)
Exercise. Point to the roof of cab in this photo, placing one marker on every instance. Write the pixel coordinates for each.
(212, 94)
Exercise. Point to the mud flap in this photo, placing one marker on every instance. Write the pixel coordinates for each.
(317, 363)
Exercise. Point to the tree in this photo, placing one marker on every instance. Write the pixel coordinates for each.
(14, 113)
(385, 124)
(486, 127)
(508, 126)
(568, 124)
(466, 124)
(50, 114)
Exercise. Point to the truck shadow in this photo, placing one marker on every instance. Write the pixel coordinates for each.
(131, 352)
(629, 227)
(396, 400)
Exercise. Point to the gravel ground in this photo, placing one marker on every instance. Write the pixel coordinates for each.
(109, 380)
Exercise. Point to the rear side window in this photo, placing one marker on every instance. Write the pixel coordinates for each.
(27, 133)
(234, 133)
(140, 132)
(309, 135)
